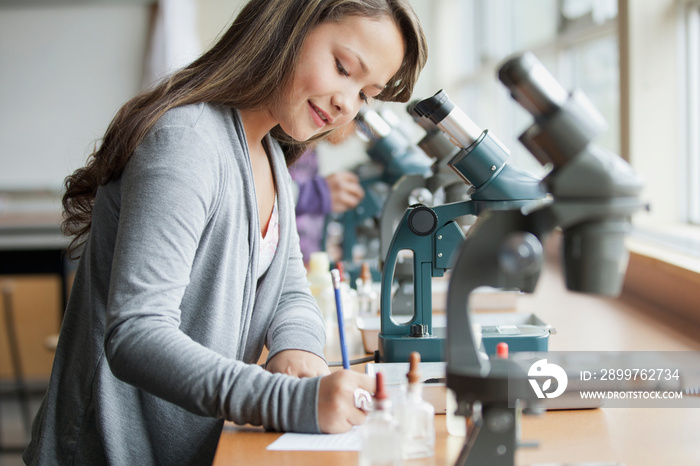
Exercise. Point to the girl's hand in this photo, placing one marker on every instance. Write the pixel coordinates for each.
(297, 363)
(336, 401)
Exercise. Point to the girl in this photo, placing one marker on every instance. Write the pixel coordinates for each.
(190, 261)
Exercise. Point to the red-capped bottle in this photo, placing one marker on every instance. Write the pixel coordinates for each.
(380, 434)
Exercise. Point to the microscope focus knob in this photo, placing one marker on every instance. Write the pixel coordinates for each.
(521, 254)
(422, 220)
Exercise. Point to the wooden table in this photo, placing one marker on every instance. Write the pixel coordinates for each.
(630, 436)
(634, 437)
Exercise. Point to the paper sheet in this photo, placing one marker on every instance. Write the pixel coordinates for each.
(349, 441)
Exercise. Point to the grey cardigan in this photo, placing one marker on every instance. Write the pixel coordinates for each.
(166, 319)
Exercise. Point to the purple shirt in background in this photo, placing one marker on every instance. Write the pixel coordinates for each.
(313, 202)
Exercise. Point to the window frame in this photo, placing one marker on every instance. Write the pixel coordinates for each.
(690, 41)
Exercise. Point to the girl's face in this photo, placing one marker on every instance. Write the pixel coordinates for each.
(341, 66)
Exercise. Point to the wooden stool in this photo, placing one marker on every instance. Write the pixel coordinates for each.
(20, 389)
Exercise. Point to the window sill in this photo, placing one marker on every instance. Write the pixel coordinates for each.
(666, 279)
(677, 244)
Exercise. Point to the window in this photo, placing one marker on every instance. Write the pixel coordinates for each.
(662, 123)
(575, 39)
(639, 63)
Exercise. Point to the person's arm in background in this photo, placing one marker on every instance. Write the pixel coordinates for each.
(344, 187)
(315, 194)
(335, 193)
(345, 191)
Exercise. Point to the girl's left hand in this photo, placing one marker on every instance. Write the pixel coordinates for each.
(298, 364)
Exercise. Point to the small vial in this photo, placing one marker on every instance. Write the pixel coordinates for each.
(417, 416)
(320, 283)
(367, 297)
(380, 435)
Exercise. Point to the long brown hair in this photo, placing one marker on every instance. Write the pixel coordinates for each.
(257, 53)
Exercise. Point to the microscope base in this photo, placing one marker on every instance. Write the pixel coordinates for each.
(529, 337)
(397, 348)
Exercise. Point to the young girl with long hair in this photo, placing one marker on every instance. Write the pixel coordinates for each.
(189, 258)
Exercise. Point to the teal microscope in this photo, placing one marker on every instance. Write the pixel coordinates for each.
(442, 186)
(432, 234)
(392, 155)
(593, 196)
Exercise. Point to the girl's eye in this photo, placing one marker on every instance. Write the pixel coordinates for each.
(340, 68)
(344, 72)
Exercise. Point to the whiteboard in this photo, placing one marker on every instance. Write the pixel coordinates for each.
(64, 72)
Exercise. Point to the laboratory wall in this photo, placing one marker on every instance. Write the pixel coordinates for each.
(65, 68)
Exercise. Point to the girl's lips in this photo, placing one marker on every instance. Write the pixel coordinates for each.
(320, 122)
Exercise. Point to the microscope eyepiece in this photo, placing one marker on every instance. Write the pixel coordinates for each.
(371, 125)
(531, 85)
(410, 108)
(425, 123)
(435, 108)
(439, 109)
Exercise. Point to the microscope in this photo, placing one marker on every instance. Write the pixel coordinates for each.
(593, 195)
(442, 186)
(392, 156)
(432, 234)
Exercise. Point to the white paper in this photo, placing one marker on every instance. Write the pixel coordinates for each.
(349, 441)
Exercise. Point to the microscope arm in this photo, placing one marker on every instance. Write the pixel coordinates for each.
(432, 235)
(394, 208)
(504, 251)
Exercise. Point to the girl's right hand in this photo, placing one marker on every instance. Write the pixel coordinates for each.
(336, 401)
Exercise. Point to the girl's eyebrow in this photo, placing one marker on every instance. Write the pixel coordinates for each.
(363, 66)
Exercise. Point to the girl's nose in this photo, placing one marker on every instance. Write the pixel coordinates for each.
(343, 103)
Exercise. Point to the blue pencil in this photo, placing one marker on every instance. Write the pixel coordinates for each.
(335, 275)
